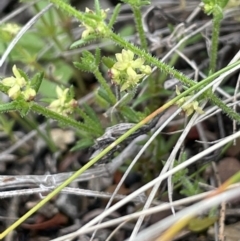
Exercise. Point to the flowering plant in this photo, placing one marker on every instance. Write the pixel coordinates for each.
(127, 72)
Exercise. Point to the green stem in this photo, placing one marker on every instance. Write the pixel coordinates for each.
(97, 7)
(105, 85)
(7, 107)
(172, 62)
(138, 20)
(62, 119)
(214, 47)
(226, 109)
(72, 11)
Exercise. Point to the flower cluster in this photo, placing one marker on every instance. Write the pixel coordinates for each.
(97, 27)
(19, 86)
(11, 28)
(127, 72)
(64, 104)
(189, 108)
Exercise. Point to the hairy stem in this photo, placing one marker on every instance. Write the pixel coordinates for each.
(138, 20)
(214, 47)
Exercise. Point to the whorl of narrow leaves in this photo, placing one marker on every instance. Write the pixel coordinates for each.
(86, 63)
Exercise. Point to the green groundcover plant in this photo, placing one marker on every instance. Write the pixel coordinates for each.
(126, 71)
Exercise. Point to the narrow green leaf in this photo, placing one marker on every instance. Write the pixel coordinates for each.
(23, 74)
(89, 122)
(124, 101)
(109, 62)
(91, 113)
(130, 114)
(83, 41)
(114, 15)
(36, 81)
(82, 144)
(101, 101)
(101, 92)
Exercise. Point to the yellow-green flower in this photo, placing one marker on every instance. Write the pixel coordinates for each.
(146, 69)
(15, 83)
(189, 108)
(11, 28)
(127, 71)
(87, 31)
(62, 105)
(98, 27)
(19, 86)
(208, 8)
(132, 79)
(29, 94)
(125, 61)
